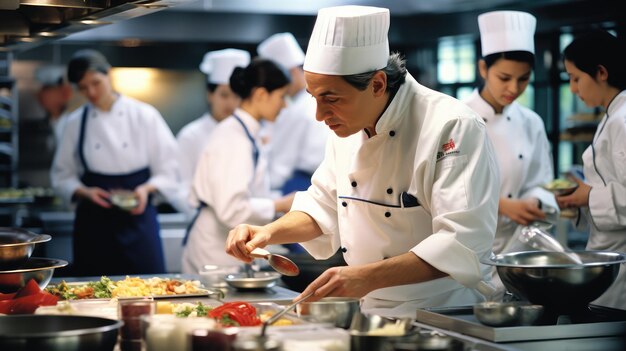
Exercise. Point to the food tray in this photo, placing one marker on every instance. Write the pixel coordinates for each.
(202, 292)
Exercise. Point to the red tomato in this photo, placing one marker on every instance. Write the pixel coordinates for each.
(241, 312)
(30, 288)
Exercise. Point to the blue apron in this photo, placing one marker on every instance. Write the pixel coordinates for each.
(111, 241)
(255, 159)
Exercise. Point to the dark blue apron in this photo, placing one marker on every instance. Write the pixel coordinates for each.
(299, 181)
(111, 241)
(255, 159)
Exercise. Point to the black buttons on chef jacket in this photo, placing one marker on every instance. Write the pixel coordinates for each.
(387, 214)
(510, 196)
(484, 119)
(97, 146)
(508, 118)
(389, 191)
(521, 156)
(125, 145)
(343, 249)
(353, 184)
(344, 204)
(392, 133)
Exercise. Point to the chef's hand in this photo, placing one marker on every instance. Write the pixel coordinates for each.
(342, 281)
(142, 193)
(94, 194)
(245, 238)
(580, 196)
(522, 211)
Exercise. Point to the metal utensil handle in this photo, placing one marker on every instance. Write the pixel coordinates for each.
(277, 316)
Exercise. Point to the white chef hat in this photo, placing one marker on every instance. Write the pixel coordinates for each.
(219, 65)
(348, 40)
(502, 31)
(50, 75)
(283, 49)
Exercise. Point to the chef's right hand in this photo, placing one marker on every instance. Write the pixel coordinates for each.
(96, 195)
(522, 211)
(245, 238)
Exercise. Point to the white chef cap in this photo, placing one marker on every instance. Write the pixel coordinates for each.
(348, 40)
(219, 65)
(283, 49)
(503, 31)
(50, 75)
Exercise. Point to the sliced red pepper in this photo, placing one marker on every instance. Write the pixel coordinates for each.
(31, 288)
(239, 311)
(6, 296)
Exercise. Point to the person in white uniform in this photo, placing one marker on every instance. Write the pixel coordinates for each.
(113, 143)
(54, 96)
(516, 132)
(218, 67)
(296, 139)
(230, 182)
(408, 189)
(595, 64)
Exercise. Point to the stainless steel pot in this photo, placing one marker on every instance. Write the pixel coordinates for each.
(57, 333)
(16, 246)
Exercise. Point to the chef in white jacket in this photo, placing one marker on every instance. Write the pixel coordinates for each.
(296, 139)
(218, 66)
(517, 133)
(230, 184)
(595, 64)
(113, 143)
(408, 188)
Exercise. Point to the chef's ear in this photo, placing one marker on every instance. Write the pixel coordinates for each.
(482, 69)
(379, 83)
(602, 74)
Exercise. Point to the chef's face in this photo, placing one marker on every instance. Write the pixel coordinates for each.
(583, 85)
(345, 109)
(505, 81)
(272, 103)
(96, 87)
(223, 102)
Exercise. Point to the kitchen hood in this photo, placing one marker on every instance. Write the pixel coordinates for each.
(28, 23)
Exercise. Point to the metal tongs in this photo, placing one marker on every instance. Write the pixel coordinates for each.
(277, 316)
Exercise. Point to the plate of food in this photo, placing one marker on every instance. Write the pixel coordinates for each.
(131, 287)
(560, 187)
(124, 199)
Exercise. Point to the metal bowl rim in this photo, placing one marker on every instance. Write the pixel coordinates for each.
(491, 262)
(33, 238)
(241, 278)
(28, 266)
(332, 300)
(113, 324)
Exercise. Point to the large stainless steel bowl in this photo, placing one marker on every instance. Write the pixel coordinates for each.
(62, 333)
(260, 280)
(40, 269)
(16, 246)
(335, 310)
(553, 280)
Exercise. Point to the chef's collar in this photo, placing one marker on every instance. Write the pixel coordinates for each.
(114, 107)
(390, 119)
(616, 103)
(251, 123)
(485, 110)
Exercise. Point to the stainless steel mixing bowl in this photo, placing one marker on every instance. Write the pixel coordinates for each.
(503, 314)
(16, 246)
(40, 269)
(553, 280)
(335, 310)
(57, 333)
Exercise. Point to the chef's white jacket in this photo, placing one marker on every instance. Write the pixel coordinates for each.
(605, 171)
(234, 189)
(191, 141)
(296, 140)
(524, 159)
(131, 136)
(436, 149)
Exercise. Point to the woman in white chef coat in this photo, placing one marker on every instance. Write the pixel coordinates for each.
(230, 181)
(408, 189)
(218, 66)
(113, 142)
(517, 133)
(595, 64)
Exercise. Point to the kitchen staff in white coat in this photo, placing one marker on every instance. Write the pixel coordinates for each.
(54, 96)
(517, 133)
(297, 140)
(230, 182)
(408, 188)
(218, 67)
(113, 142)
(595, 64)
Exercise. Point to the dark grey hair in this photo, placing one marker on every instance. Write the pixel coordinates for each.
(395, 71)
(86, 60)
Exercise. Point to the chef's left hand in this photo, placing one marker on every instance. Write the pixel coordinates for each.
(580, 196)
(142, 193)
(342, 281)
